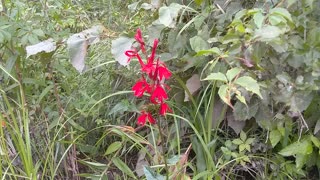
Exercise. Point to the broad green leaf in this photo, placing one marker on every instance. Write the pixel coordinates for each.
(249, 84)
(212, 51)
(113, 147)
(303, 147)
(275, 137)
(224, 95)
(217, 77)
(315, 141)
(241, 99)
(119, 47)
(44, 46)
(38, 32)
(267, 33)
(301, 160)
(198, 43)
(291, 2)
(232, 73)
(281, 11)
(151, 175)
(317, 127)
(243, 136)
(275, 19)
(237, 141)
(242, 147)
(258, 19)
(122, 167)
(250, 140)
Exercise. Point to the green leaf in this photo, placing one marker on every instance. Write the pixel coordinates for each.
(301, 160)
(198, 43)
(281, 11)
(113, 147)
(94, 165)
(224, 95)
(217, 77)
(241, 99)
(214, 50)
(258, 19)
(242, 147)
(151, 175)
(243, 136)
(237, 141)
(275, 137)
(38, 32)
(250, 140)
(122, 167)
(301, 147)
(249, 84)
(232, 73)
(267, 33)
(315, 141)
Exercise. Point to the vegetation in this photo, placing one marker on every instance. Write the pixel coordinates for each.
(241, 98)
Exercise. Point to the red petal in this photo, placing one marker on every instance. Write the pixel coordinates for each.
(158, 95)
(164, 108)
(151, 119)
(163, 72)
(142, 119)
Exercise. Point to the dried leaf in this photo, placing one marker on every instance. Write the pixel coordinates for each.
(44, 46)
(119, 47)
(237, 126)
(193, 85)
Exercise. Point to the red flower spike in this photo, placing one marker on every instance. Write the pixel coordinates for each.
(144, 117)
(139, 38)
(140, 87)
(158, 95)
(164, 108)
(153, 53)
(132, 54)
(163, 72)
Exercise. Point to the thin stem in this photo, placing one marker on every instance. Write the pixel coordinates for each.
(163, 149)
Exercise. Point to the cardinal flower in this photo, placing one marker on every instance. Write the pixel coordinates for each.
(139, 39)
(163, 72)
(158, 95)
(144, 117)
(140, 87)
(164, 108)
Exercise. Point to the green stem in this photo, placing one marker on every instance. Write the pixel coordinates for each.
(163, 149)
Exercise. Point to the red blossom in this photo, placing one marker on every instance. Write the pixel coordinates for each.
(164, 108)
(144, 117)
(153, 52)
(163, 72)
(140, 87)
(158, 95)
(138, 37)
(154, 85)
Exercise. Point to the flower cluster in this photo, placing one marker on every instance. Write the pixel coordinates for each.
(153, 74)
